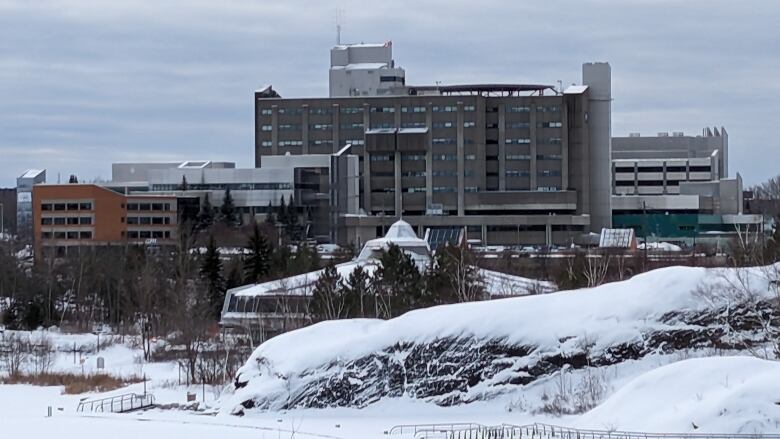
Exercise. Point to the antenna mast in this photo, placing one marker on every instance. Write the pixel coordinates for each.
(339, 17)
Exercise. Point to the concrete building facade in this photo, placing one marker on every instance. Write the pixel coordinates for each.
(8, 210)
(364, 70)
(25, 202)
(513, 163)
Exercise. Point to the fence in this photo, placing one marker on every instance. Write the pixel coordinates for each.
(117, 404)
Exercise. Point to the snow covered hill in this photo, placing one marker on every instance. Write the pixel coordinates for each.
(471, 352)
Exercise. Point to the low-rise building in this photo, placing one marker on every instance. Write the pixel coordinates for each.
(75, 215)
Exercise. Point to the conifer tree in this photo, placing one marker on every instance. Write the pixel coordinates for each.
(211, 273)
(228, 209)
(183, 187)
(398, 284)
(206, 215)
(257, 262)
(357, 293)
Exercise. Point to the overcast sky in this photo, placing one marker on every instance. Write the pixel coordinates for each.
(87, 83)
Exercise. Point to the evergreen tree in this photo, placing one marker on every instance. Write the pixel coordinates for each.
(398, 284)
(454, 276)
(73, 179)
(269, 216)
(328, 299)
(183, 187)
(281, 215)
(357, 293)
(293, 222)
(228, 210)
(206, 216)
(234, 278)
(211, 273)
(305, 260)
(256, 264)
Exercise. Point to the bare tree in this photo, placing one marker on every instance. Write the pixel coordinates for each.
(16, 354)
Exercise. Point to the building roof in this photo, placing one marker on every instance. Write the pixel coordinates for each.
(32, 173)
(575, 89)
(481, 89)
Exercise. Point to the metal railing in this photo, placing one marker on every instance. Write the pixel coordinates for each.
(547, 431)
(117, 404)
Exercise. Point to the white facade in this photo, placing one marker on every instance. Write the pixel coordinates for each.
(364, 70)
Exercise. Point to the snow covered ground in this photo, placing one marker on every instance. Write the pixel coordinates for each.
(686, 391)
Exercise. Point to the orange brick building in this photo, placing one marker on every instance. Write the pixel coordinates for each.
(72, 215)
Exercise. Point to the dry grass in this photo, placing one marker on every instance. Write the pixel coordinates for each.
(73, 384)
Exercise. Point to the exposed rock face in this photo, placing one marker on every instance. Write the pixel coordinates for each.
(458, 370)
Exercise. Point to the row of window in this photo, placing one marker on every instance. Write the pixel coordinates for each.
(415, 109)
(66, 221)
(67, 235)
(60, 207)
(219, 187)
(148, 220)
(149, 234)
(154, 207)
(630, 169)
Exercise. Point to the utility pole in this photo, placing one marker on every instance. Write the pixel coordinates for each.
(644, 230)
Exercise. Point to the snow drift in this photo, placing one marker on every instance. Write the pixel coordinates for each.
(705, 395)
(457, 354)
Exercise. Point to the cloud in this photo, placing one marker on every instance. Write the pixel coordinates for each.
(86, 82)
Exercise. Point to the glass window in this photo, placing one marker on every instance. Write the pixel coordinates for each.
(144, 206)
(73, 235)
(85, 220)
(468, 108)
(59, 206)
(266, 143)
(85, 206)
(46, 221)
(519, 109)
(85, 235)
(73, 221)
(266, 128)
(46, 207)
(59, 221)
(383, 109)
(266, 111)
(351, 110)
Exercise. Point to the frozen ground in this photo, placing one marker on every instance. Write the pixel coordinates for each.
(690, 391)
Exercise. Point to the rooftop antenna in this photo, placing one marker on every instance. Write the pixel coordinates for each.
(339, 18)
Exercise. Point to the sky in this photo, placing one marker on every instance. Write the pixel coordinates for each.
(84, 83)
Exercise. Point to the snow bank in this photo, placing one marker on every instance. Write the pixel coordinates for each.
(704, 395)
(359, 360)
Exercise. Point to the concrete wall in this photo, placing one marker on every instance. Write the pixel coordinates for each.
(598, 78)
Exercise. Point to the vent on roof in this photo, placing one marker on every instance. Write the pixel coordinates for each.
(678, 134)
(634, 135)
(663, 134)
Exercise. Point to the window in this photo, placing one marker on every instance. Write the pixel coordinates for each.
(59, 206)
(73, 206)
(328, 143)
(266, 128)
(444, 173)
(355, 141)
(132, 220)
(157, 206)
(548, 109)
(445, 109)
(320, 110)
(73, 221)
(380, 157)
(59, 235)
(548, 173)
(412, 157)
(157, 220)
(470, 157)
(549, 124)
(144, 206)
(550, 141)
(412, 109)
(517, 141)
(289, 143)
(59, 221)
(266, 143)
(85, 206)
(321, 126)
(699, 169)
(413, 174)
(266, 111)
(85, 220)
(391, 79)
(446, 124)
(518, 157)
(470, 189)
(548, 156)
(519, 109)
(73, 235)
(469, 124)
(144, 234)
(46, 221)
(468, 108)
(413, 125)
(46, 207)
(443, 189)
(383, 109)
(382, 125)
(445, 157)
(352, 126)
(443, 141)
(289, 127)
(145, 220)
(351, 110)
(291, 111)
(85, 235)
(132, 234)
(518, 125)
(46, 235)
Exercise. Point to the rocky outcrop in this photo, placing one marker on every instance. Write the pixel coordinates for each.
(454, 370)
